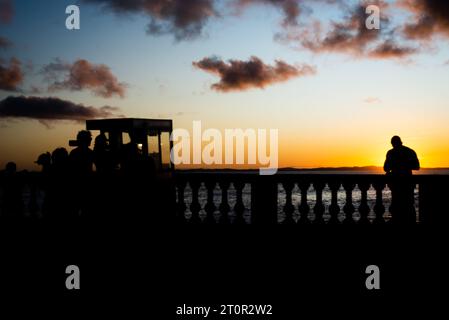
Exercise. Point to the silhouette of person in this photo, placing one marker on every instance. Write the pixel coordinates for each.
(82, 157)
(12, 193)
(131, 159)
(44, 160)
(60, 160)
(138, 171)
(105, 196)
(399, 164)
(401, 160)
(81, 161)
(57, 196)
(104, 162)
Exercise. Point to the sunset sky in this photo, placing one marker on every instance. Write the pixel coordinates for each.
(336, 91)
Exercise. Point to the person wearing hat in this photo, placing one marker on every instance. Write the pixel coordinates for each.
(44, 160)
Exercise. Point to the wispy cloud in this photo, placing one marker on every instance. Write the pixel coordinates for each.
(371, 100)
(11, 75)
(301, 26)
(351, 36)
(4, 43)
(291, 9)
(6, 11)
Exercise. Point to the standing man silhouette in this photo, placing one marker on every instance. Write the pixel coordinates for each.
(399, 164)
(81, 161)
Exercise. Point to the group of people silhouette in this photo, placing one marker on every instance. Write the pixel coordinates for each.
(126, 182)
(123, 181)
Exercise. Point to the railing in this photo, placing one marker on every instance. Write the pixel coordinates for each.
(297, 199)
(232, 197)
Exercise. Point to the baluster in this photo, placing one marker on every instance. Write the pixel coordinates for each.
(334, 208)
(348, 208)
(379, 208)
(210, 206)
(318, 209)
(304, 207)
(195, 206)
(181, 206)
(364, 207)
(224, 205)
(239, 207)
(288, 208)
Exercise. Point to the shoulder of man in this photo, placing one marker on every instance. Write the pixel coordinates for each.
(410, 150)
(74, 152)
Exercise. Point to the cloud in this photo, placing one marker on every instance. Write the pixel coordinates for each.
(4, 43)
(11, 76)
(184, 19)
(6, 11)
(390, 49)
(82, 75)
(430, 17)
(35, 90)
(50, 109)
(350, 35)
(371, 100)
(290, 8)
(243, 75)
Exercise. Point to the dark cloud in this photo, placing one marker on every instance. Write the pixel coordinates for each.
(242, 75)
(4, 43)
(183, 18)
(430, 17)
(11, 76)
(6, 11)
(390, 49)
(50, 109)
(82, 75)
(351, 36)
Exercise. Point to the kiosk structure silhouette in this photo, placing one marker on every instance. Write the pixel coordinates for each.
(133, 156)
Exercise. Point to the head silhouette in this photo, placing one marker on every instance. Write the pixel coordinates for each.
(84, 138)
(396, 142)
(101, 141)
(44, 159)
(11, 168)
(59, 156)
